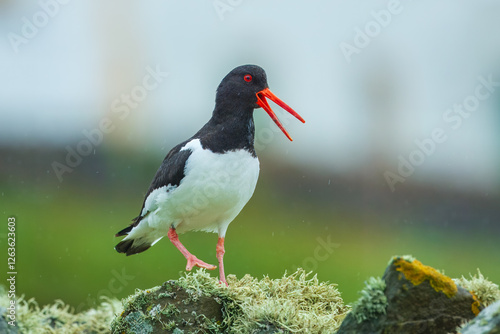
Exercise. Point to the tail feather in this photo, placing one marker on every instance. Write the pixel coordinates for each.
(129, 228)
(125, 231)
(131, 246)
(139, 237)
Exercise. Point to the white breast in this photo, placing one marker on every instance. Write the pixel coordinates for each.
(214, 190)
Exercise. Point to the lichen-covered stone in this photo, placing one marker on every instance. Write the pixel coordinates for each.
(198, 303)
(169, 309)
(419, 300)
(487, 322)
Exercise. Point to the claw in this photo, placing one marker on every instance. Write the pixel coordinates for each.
(194, 261)
(191, 259)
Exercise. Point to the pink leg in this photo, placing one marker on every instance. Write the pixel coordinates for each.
(220, 255)
(191, 259)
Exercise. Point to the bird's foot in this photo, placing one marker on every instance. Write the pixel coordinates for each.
(194, 261)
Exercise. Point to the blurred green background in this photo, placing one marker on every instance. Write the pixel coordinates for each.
(322, 201)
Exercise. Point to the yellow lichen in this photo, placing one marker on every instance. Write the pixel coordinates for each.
(476, 304)
(417, 273)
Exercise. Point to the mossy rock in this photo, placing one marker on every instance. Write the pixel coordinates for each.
(198, 303)
(295, 303)
(419, 299)
(169, 309)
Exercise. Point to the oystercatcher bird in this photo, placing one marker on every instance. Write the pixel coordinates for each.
(205, 181)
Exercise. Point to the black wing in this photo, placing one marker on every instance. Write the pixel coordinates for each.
(170, 172)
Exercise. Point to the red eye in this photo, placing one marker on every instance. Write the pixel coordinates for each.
(247, 78)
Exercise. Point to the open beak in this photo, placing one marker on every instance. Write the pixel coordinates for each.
(262, 102)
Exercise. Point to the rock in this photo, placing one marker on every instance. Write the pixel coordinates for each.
(169, 309)
(418, 299)
(487, 322)
(198, 303)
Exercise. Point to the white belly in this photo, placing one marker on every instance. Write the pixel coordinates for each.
(214, 190)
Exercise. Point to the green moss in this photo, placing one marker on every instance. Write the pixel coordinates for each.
(170, 310)
(209, 325)
(372, 302)
(61, 318)
(141, 299)
(295, 302)
(486, 292)
(165, 295)
(169, 325)
(138, 323)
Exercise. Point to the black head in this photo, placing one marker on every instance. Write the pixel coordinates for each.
(241, 85)
(244, 89)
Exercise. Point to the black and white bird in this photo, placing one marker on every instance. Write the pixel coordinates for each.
(205, 181)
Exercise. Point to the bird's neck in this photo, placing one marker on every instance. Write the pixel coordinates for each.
(230, 129)
(231, 112)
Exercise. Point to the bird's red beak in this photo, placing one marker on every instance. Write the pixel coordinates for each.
(262, 102)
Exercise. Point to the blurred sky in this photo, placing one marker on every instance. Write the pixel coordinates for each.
(361, 114)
